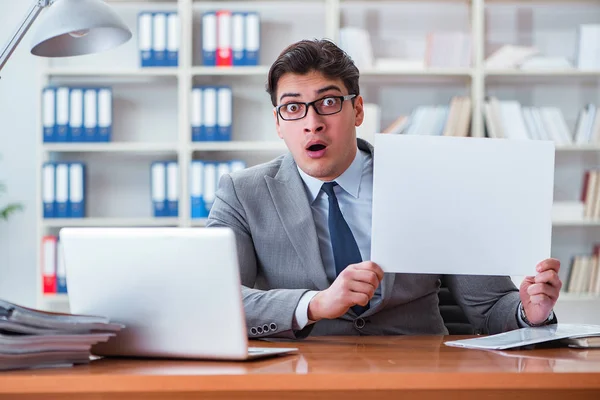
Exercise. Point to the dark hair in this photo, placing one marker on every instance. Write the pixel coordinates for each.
(314, 55)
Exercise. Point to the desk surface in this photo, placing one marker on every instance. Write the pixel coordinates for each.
(355, 367)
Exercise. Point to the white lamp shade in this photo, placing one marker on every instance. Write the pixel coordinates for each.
(76, 27)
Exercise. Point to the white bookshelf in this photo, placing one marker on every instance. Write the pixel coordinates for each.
(151, 105)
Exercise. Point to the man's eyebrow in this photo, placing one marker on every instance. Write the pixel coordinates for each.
(322, 90)
(289, 95)
(328, 88)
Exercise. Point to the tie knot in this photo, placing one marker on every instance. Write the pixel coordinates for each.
(328, 188)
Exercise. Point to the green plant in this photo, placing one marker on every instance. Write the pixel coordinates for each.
(10, 208)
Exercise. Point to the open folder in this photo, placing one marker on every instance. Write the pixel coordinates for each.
(572, 335)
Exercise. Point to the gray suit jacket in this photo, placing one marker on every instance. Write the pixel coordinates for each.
(278, 250)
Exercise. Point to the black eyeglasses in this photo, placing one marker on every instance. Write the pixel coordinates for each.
(324, 106)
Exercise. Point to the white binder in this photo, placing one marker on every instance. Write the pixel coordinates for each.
(62, 190)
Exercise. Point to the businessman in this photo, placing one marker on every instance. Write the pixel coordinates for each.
(302, 224)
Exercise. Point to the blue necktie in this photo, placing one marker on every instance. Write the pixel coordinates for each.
(345, 249)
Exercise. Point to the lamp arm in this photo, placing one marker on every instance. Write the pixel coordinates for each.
(31, 15)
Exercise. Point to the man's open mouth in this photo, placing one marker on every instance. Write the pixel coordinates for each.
(316, 147)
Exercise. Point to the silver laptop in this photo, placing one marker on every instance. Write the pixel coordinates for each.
(177, 290)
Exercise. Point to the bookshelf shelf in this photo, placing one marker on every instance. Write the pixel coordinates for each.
(109, 222)
(199, 222)
(566, 296)
(112, 72)
(261, 71)
(115, 147)
(239, 146)
(578, 148)
(570, 73)
(576, 223)
(426, 72)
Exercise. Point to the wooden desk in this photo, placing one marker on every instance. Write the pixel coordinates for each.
(355, 368)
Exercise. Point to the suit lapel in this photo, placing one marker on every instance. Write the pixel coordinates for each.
(291, 203)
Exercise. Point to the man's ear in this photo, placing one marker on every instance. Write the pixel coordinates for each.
(359, 110)
(277, 126)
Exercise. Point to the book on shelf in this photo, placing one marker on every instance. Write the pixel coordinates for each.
(453, 119)
(583, 273)
(508, 119)
(31, 338)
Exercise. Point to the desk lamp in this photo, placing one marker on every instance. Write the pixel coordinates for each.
(70, 28)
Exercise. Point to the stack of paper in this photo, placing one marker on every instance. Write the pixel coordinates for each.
(35, 339)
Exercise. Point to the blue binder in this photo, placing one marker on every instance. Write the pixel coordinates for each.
(49, 114)
(252, 37)
(76, 114)
(105, 102)
(196, 114)
(62, 114)
(198, 206)
(172, 189)
(173, 39)
(238, 35)
(158, 188)
(145, 39)
(209, 113)
(62, 190)
(49, 189)
(61, 271)
(90, 114)
(77, 186)
(209, 39)
(224, 113)
(159, 39)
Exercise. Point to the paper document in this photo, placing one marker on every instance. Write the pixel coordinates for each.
(527, 336)
(455, 205)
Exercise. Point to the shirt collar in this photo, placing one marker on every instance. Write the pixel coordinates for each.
(349, 180)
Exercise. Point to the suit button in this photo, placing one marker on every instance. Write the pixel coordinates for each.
(359, 323)
(273, 326)
(253, 331)
(266, 328)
